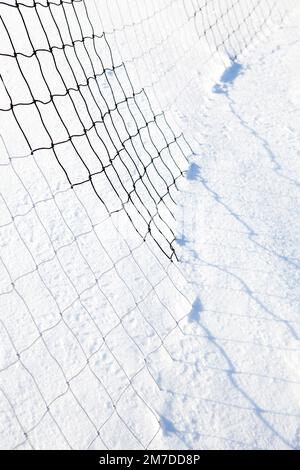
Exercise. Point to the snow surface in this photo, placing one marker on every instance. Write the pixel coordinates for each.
(240, 243)
(105, 343)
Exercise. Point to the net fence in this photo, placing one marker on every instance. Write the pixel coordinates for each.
(95, 99)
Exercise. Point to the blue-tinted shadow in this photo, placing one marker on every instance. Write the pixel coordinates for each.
(228, 77)
(167, 426)
(231, 73)
(182, 241)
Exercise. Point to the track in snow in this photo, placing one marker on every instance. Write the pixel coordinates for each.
(240, 246)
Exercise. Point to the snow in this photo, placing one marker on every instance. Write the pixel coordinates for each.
(240, 226)
(105, 342)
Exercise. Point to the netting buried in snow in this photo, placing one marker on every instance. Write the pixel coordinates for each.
(91, 150)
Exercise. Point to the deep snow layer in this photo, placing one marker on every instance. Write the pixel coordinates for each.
(240, 380)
